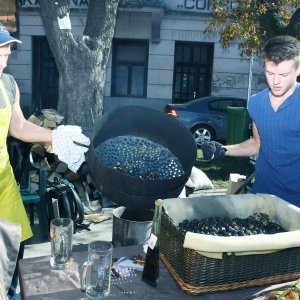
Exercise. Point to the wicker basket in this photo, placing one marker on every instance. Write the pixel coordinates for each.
(197, 274)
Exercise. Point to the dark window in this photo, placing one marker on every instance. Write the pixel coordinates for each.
(129, 68)
(44, 76)
(192, 71)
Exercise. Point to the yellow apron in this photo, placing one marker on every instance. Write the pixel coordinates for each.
(11, 205)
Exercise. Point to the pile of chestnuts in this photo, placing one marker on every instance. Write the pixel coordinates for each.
(257, 223)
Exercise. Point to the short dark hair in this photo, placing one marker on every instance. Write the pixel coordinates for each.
(281, 48)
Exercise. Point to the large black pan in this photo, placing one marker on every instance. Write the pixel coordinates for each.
(148, 123)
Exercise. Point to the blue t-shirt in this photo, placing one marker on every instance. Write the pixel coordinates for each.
(278, 162)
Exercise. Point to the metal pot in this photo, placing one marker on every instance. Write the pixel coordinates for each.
(131, 226)
(156, 126)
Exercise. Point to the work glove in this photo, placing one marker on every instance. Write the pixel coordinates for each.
(70, 145)
(212, 151)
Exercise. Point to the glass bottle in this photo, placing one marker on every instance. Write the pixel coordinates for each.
(151, 267)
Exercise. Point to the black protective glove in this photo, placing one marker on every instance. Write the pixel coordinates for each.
(212, 151)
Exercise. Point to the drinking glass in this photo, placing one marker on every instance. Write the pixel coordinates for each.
(61, 235)
(96, 271)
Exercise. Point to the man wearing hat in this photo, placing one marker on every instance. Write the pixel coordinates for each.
(12, 122)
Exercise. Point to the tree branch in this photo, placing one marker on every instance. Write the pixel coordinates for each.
(98, 14)
(50, 12)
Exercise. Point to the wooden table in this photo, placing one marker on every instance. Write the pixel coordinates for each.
(38, 281)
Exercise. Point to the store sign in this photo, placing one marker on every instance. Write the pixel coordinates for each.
(174, 5)
(198, 6)
(35, 3)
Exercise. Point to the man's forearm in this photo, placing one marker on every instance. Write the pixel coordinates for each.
(29, 132)
(247, 148)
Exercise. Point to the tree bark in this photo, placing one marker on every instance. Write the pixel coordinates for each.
(81, 60)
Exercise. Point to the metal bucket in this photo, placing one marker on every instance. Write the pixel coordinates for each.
(131, 226)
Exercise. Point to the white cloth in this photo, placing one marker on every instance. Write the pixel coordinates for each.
(63, 138)
(258, 242)
(200, 180)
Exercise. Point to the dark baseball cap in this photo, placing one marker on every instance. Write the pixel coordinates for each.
(5, 37)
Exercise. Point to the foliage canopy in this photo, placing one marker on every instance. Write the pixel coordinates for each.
(252, 22)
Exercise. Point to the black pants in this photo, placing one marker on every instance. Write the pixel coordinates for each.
(14, 283)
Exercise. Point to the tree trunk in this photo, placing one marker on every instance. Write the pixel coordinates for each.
(81, 93)
(293, 27)
(81, 60)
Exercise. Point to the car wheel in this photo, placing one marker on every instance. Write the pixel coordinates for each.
(203, 133)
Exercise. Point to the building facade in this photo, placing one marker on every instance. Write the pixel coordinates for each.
(160, 54)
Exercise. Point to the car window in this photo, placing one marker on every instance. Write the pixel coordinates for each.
(238, 103)
(221, 105)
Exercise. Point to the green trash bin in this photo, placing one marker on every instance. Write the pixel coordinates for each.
(238, 125)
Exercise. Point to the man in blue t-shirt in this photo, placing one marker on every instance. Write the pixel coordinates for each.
(275, 113)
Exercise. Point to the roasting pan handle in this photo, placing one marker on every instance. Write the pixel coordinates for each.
(82, 145)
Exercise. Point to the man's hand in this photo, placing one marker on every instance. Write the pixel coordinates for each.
(212, 151)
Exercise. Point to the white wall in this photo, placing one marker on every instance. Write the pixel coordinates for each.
(230, 71)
